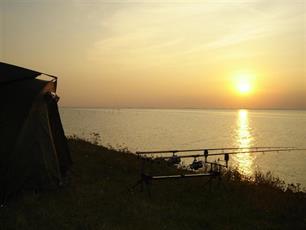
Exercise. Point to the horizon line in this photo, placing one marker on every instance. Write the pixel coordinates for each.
(177, 108)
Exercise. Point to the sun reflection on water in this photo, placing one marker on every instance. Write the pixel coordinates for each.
(244, 162)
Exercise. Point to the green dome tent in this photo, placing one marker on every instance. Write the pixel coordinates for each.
(33, 147)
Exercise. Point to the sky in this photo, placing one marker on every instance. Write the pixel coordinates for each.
(162, 54)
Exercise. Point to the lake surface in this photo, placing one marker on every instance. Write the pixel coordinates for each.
(160, 129)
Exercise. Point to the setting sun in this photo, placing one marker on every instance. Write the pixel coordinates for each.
(243, 84)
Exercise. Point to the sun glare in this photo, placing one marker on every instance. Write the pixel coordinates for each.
(243, 87)
(243, 84)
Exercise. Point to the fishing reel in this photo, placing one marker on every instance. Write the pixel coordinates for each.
(174, 160)
(196, 165)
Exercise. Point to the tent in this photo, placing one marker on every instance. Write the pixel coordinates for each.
(33, 147)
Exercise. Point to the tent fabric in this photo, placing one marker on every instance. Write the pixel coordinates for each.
(16, 100)
(33, 161)
(58, 134)
(9, 73)
(33, 150)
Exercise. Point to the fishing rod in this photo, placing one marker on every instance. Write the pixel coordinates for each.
(233, 152)
(208, 149)
(212, 169)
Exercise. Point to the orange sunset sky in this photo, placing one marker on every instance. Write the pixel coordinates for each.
(162, 54)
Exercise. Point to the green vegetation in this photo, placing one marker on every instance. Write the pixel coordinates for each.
(98, 195)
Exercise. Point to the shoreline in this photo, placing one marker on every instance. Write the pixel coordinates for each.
(97, 194)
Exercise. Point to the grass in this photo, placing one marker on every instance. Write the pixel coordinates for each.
(98, 195)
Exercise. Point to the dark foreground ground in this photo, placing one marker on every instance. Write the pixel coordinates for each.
(97, 195)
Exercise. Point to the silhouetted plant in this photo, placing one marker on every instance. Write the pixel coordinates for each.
(95, 138)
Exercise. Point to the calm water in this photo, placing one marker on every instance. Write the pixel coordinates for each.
(153, 129)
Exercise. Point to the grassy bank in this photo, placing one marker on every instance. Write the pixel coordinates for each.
(97, 195)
